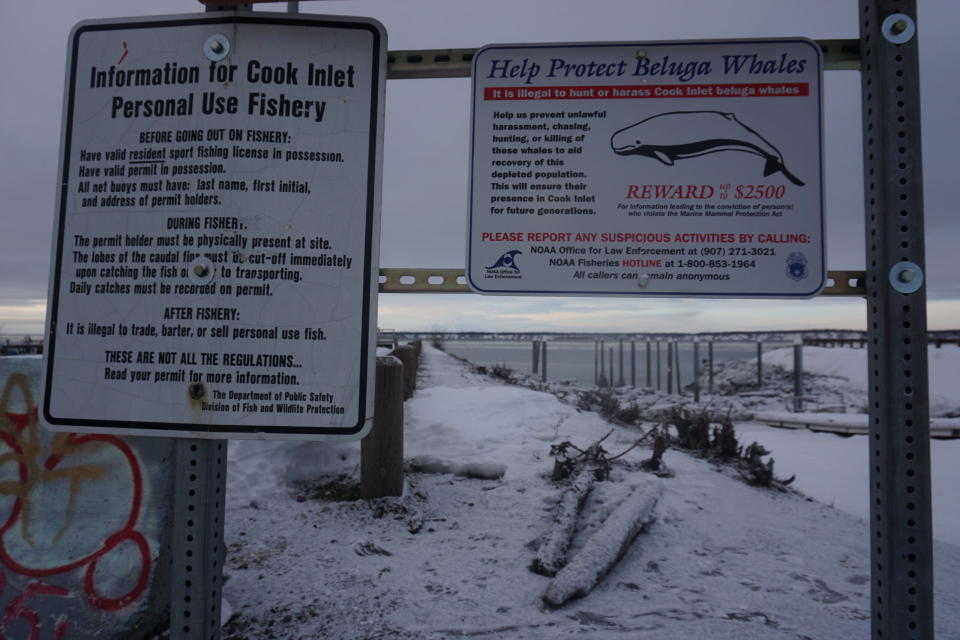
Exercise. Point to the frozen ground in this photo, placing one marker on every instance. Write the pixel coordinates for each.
(722, 560)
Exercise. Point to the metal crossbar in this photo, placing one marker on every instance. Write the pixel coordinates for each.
(838, 55)
(421, 280)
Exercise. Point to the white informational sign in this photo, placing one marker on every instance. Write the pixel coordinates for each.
(215, 259)
(670, 169)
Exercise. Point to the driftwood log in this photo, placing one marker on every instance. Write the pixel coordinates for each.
(553, 552)
(605, 547)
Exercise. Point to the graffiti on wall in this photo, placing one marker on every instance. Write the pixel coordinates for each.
(70, 507)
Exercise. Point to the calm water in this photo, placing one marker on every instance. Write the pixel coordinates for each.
(575, 360)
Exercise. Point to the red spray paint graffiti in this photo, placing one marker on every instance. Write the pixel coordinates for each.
(37, 463)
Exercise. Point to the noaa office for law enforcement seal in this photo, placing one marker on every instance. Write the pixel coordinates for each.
(505, 266)
(797, 266)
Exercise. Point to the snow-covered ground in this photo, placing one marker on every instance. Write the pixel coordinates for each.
(450, 558)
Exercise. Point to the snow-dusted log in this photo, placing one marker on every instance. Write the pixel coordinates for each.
(605, 547)
(553, 552)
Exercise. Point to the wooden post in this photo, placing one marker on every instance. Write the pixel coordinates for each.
(759, 363)
(407, 354)
(696, 371)
(536, 354)
(381, 451)
(620, 381)
(670, 367)
(543, 354)
(659, 384)
(596, 363)
(710, 365)
(676, 364)
(798, 377)
(603, 382)
(611, 367)
(633, 364)
(649, 368)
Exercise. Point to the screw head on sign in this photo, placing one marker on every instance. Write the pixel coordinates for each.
(196, 391)
(907, 275)
(201, 271)
(216, 47)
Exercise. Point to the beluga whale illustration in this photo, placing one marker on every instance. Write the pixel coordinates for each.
(678, 135)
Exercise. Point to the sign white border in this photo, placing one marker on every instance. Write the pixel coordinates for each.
(367, 344)
(524, 59)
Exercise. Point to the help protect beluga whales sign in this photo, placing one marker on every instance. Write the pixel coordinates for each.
(667, 169)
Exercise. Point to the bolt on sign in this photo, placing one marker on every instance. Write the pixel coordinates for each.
(214, 270)
(664, 168)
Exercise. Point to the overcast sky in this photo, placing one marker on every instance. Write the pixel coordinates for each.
(427, 142)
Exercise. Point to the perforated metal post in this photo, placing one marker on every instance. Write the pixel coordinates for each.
(900, 522)
(196, 577)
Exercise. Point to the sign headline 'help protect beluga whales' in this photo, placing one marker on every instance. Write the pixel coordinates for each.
(677, 135)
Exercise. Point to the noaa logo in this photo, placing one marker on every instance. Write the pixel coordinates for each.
(797, 266)
(505, 268)
(506, 261)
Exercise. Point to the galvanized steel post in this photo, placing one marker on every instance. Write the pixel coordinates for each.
(900, 523)
(196, 575)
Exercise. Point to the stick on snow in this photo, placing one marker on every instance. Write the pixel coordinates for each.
(605, 547)
(553, 552)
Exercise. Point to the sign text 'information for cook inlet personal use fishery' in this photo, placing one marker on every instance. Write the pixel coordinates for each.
(215, 265)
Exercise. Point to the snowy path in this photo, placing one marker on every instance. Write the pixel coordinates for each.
(722, 560)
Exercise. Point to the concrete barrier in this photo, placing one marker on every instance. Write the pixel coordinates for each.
(85, 524)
